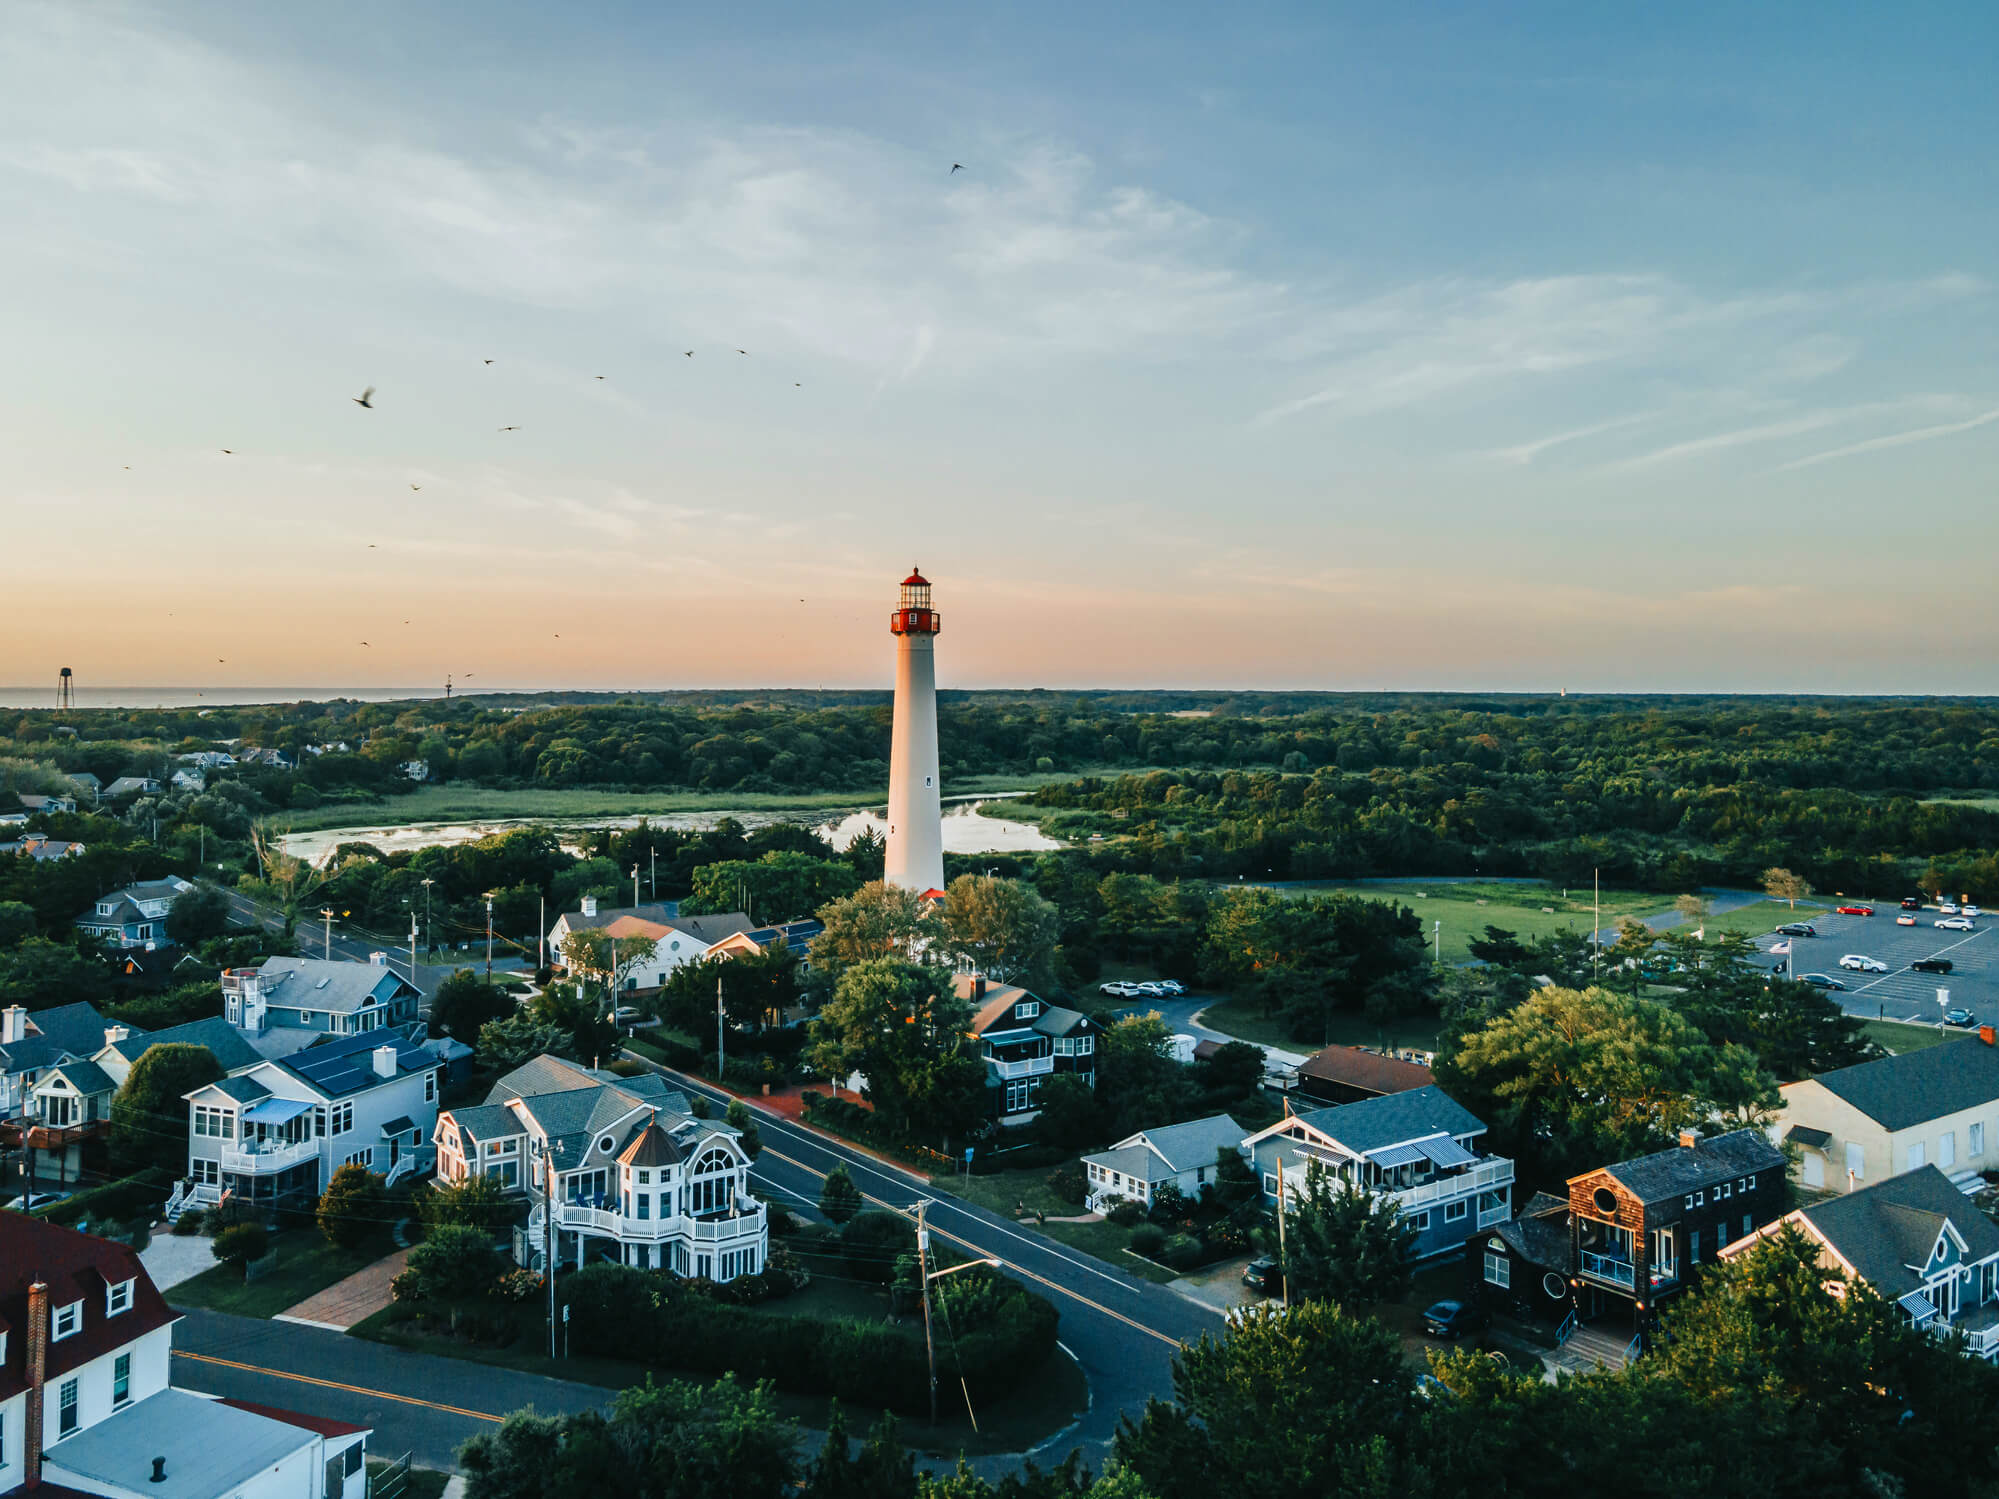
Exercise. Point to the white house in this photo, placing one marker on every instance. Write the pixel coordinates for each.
(278, 1130)
(314, 997)
(1139, 1165)
(675, 939)
(637, 1178)
(85, 1405)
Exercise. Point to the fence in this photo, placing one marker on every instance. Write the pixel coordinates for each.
(389, 1480)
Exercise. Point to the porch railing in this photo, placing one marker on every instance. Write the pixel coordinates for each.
(1617, 1272)
(1566, 1330)
(1032, 1067)
(1483, 1176)
(268, 1155)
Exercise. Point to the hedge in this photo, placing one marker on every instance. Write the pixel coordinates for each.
(992, 1328)
(118, 1201)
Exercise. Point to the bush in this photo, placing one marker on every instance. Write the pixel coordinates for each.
(518, 1285)
(1170, 1204)
(1126, 1213)
(353, 1207)
(1148, 1239)
(190, 1222)
(478, 1202)
(1181, 1251)
(839, 1199)
(1068, 1182)
(871, 1242)
(124, 1198)
(407, 1286)
(455, 1262)
(241, 1244)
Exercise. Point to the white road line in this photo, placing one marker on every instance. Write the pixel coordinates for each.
(1905, 968)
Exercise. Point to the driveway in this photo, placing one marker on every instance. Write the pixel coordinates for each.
(355, 1299)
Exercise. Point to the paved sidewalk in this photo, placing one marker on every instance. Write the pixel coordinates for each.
(352, 1300)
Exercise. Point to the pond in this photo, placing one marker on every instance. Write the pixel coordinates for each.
(968, 829)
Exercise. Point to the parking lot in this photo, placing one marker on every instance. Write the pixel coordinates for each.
(1899, 994)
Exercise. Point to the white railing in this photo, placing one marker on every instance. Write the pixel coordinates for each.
(1489, 1216)
(1980, 1342)
(268, 1155)
(747, 1221)
(1617, 1272)
(1485, 1176)
(738, 1225)
(1032, 1067)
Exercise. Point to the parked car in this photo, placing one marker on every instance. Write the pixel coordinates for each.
(1261, 1275)
(1905, 919)
(1173, 986)
(1149, 991)
(1797, 929)
(1119, 988)
(1912, 903)
(1855, 962)
(1968, 911)
(1932, 965)
(25, 1203)
(1957, 924)
(1853, 910)
(1960, 1017)
(1452, 1319)
(1821, 981)
(1947, 907)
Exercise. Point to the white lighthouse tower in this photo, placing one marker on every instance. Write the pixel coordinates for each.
(915, 819)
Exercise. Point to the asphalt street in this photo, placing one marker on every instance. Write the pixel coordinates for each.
(355, 946)
(1901, 993)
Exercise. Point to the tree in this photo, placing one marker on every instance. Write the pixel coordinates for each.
(17, 923)
(594, 953)
(240, 1243)
(592, 1035)
(477, 1202)
(1069, 1116)
(1572, 1078)
(353, 1208)
(506, 1044)
(1001, 928)
(464, 1003)
(1693, 910)
(198, 915)
(1344, 1243)
(781, 886)
(1233, 1072)
(839, 1198)
(1780, 884)
(1307, 957)
(455, 1262)
(738, 1114)
(1139, 1084)
(1314, 1400)
(149, 1112)
(880, 1468)
(1794, 1029)
(876, 921)
(903, 1027)
(39, 973)
(867, 852)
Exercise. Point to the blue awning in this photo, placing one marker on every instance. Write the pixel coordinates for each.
(270, 1111)
(1446, 1152)
(1918, 1306)
(1395, 1155)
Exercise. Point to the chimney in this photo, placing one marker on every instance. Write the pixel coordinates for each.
(1689, 1138)
(13, 1024)
(38, 1367)
(589, 905)
(115, 1033)
(379, 959)
(385, 1061)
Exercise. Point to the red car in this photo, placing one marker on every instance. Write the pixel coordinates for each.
(1856, 910)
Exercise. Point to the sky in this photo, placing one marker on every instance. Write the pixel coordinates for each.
(1525, 348)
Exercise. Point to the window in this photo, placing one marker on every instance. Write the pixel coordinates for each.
(350, 1460)
(1721, 1235)
(1748, 1226)
(645, 1178)
(1498, 1270)
(1748, 1183)
(1721, 1191)
(1692, 1199)
(1914, 1159)
(1454, 1212)
(1856, 1161)
(208, 1173)
(118, 1298)
(66, 1404)
(1947, 1148)
(121, 1379)
(430, 1087)
(645, 1204)
(1269, 1184)
(362, 1157)
(1200, 1175)
(340, 1118)
(713, 1187)
(69, 1321)
(1694, 1247)
(1420, 1222)
(1026, 1010)
(1974, 1140)
(1021, 1095)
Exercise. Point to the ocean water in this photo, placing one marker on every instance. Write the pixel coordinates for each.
(204, 697)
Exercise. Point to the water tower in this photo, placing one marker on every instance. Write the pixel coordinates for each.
(915, 857)
(65, 690)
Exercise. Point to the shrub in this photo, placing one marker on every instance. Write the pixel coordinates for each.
(1170, 1204)
(1148, 1239)
(1181, 1251)
(518, 1285)
(1126, 1213)
(478, 1202)
(1068, 1182)
(353, 1207)
(124, 1198)
(871, 1242)
(839, 1199)
(190, 1222)
(241, 1244)
(407, 1286)
(456, 1262)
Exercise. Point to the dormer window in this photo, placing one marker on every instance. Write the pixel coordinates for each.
(118, 1298)
(68, 1322)
(1026, 1010)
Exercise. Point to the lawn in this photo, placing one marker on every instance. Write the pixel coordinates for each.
(1004, 1191)
(1466, 907)
(306, 1263)
(1042, 1405)
(1899, 1037)
(1762, 918)
(424, 1483)
(1244, 1018)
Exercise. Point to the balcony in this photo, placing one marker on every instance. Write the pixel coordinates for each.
(258, 1157)
(745, 1221)
(1487, 1175)
(1980, 1326)
(740, 1224)
(1605, 1268)
(1032, 1067)
(39, 1136)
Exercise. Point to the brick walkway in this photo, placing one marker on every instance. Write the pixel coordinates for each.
(352, 1300)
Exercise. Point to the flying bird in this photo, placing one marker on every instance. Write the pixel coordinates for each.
(366, 398)
(510, 429)
(742, 351)
(489, 361)
(364, 642)
(228, 450)
(690, 353)
(956, 167)
(600, 377)
(415, 487)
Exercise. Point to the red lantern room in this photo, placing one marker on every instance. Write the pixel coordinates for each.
(913, 614)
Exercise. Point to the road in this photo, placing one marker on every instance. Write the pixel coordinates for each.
(1122, 1330)
(355, 946)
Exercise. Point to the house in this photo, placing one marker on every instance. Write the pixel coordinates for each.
(85, 1404)
(1524, 1263)
(40, 847)
(288, 1003)
(151, 967)
(133, 786)
(1419, 1148)
(1348, 1074)
(230, 1050)
(637, 1178)
(1025, 1041)
(271, 759)
(207, 759)
(793, 936)
(1639, 1228)
(191, 781)
(1938, 1106)
(676, 939)
(135, 915)
(86, 783)
(1917, 1242)
(34, 802)
(1137, 1166)
(31, 1043)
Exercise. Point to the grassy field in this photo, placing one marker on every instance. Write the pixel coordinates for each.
(1243, 1019)
(1004, 1191)
(1467, 907)
(1898, 1037)
(306, 1263)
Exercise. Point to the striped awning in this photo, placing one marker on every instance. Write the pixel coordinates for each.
(1392, 1156)
(1918, 1306)
(1446, 1152)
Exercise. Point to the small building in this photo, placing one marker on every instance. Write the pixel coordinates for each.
(635, 1177)
(1917, 1242)
(1025, 1041)
(41, 848)
(311, 997)
(1185, 1155)
(126, 786)
(1524, 1263)
(193, 782)
(274, 1133)
(1419, 1148)
(30, 1043)
(1348, 1074)
(676, 941)
(85, 1401)
(35, 803)
(86, 783)
(1638, 1229)
(1937, 1106)
(135, 915)
(230, 1050)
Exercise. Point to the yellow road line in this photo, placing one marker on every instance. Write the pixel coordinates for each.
(1170, 1342)
(334, 1384)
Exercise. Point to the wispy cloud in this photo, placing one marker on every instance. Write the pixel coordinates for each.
(1796, 426)
(1527, 452)
(1894, 440)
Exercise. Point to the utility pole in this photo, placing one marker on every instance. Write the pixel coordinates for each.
(419, 987)
(428, 939)
(541, 937)
(1438, 935)
(548, 1234)
(1283, 1260)
(635, 884)
(923, 1274)
(489, 936)
(720, 1030)
(652, 881)
(327, 913)
(1596, 923)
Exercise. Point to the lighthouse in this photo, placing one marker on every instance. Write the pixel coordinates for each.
(915, 820)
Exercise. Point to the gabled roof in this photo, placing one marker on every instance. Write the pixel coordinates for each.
(244, 1089)
(1393, 1119)
(1174, 1148)
(340, 987)
(65, 1030)
(996, 1006)
(218, 1035)
(487, 1121)
(83, 1075)
(1915, 1086)
(75, 1266)
(346, 1065)
(573, 1105)
(1884, 1230)
(1369, 1071)
(1680, 1169)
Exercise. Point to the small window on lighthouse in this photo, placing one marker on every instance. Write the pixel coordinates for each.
(926, 781)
